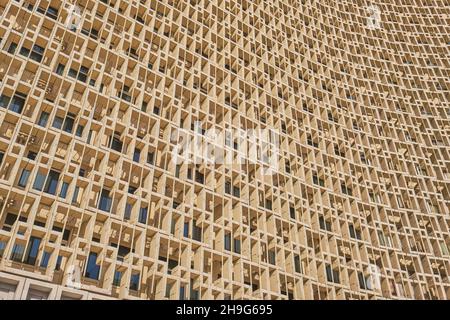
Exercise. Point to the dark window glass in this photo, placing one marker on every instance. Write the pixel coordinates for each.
(68, 124)
(9, 221)
(17, 252)
(362, 281)
(292, 212)
(58, 263)
(92, 269)
(72, 73)
(24, 178)
(39, 181)
(32, 251)
(117, 278)
(60, 69)
(75, 194)
(134, 281)
(128, 208)
(116, 144)
(37, 53)
(237, 245)
(105, 201)
(24, 51)
(43, 119)
(143, 215)
(17, 103)
(227, 242)
(57, 122)
(4, 101)
(64, 188)
(297, 264)
(186, 230)
(272, 257)
(45, 258)
(52, 182)
(12, 48)
(329, 273)
(32, 155)
(150, 157)
(79, 131)
(136, 155)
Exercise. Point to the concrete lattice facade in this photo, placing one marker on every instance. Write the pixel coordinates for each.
(92, 205)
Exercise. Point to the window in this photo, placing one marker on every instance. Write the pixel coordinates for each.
(332, 275)
(227, 241)
(128, 208)
(105, 201)
(52, 13)
(362, 281)
(144, 106)
(136, 155)
(17, 103)
(297, 264)
(36, 53)
(182, 292)
(82, 76)
(318, 181)
(292, 212)
(354, 233)
(64, 188)
(2, 248)
(272, 257)
(150, 157)
(39, 181)
(17, 252)
(32, 155)
(92, 269)
(324, 224)
(68, 123)
(32, 251)
(143, 215)
(122, 253)
(1, 157)
(196, 231)
(132, 189)
(45, 259)
(268, 204)
(12, 48)
(24, 178)
(117, 278)
(57, 122)
(186, 230)
(43, 119)
(60, 69)
(24, 51)
(75, 194)
(237, 245)
(9, 221)
(58, 263)
(52, 182)
(4, 101)
(346, 190)
(236, 191)
(79, 131)
(329, 273)
(228, 187)
(134, 281)
(116, 144)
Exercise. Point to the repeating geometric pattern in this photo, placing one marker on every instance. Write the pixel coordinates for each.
(94, 95)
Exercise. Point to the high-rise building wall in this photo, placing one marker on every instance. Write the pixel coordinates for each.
(211, 149)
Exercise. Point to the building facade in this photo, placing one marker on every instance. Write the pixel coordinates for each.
(195, 149)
